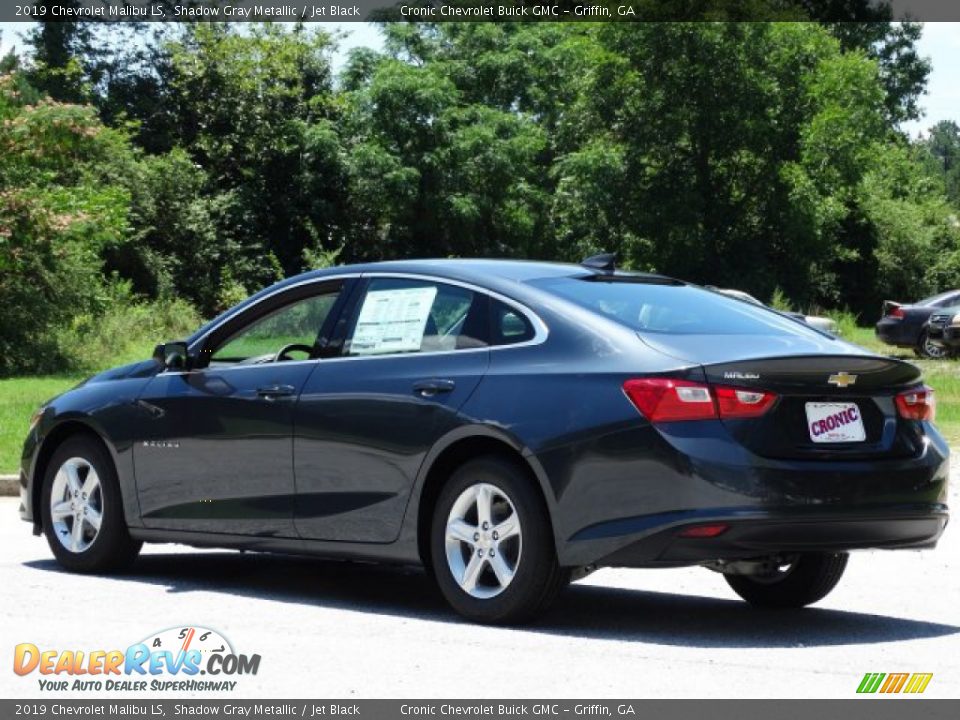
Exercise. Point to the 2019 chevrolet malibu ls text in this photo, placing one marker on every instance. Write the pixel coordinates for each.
(509, 426)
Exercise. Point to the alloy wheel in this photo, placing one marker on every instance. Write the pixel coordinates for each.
(933, 350)
(76, 505)
(483, 541)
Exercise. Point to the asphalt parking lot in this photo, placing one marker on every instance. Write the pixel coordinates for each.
(338, 630)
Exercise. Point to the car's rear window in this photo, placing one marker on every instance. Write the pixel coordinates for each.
(670, 309)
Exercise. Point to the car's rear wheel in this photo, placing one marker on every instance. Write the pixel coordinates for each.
(492, 547)
(792, 581)
(926, 348)
(83, 510)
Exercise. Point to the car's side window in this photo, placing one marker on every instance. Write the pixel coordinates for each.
(399, 316)
(949, 301)
(508, 325)
(295, 324)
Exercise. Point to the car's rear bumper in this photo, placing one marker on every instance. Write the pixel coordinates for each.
(750, 536)
(897, 332)
(631, 511)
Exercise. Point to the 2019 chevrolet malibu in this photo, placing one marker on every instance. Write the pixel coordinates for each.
(508, 425)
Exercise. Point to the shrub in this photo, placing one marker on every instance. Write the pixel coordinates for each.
(56, 215)
(125, 331)
(780, 301)
(846, 321)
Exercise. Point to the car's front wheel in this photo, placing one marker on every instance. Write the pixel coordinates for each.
(82, 509)
(492, 546)
(792, 581)
(927, 348)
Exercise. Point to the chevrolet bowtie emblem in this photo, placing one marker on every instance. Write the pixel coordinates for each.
(842, 379)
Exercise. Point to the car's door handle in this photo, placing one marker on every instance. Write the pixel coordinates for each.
(433, 387)
(155, 411)
(272, 392)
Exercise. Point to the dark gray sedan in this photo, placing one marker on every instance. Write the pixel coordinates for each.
(508, 425)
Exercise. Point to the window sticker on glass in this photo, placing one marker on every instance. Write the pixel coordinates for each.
(393, 321)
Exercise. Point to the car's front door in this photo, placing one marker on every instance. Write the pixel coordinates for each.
(414, 352)
(216, 453)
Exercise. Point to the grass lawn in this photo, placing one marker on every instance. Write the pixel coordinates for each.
(19, 397)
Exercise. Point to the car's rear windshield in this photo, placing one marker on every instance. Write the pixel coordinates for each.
(670, 309)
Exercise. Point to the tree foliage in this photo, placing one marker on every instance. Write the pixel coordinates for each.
(205, 160)
(59, 211)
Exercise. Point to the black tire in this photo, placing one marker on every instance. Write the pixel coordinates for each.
(808, 579)
(537, 579)
(926, 349)
(112, 548)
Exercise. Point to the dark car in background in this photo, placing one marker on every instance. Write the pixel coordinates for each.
(510, 426)
(905, 325)
(943, 329)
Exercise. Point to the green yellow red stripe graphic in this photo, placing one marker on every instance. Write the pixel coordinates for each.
(888, 683)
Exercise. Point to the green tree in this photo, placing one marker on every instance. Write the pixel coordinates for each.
(452, 132)
(942, 143)
(893, 45)
(917, 238)
(731, 154)
(59, 211)
(64, 55)
(255, 111)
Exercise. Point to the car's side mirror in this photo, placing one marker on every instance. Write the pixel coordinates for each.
(172, 355)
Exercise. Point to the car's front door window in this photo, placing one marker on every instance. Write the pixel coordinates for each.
(290, 332)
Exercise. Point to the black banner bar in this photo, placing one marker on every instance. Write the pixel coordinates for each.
(474, 10)
(855, 709)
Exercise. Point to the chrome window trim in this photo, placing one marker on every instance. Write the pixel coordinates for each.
(540, 329)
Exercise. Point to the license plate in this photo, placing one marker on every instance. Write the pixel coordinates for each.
(835, 422)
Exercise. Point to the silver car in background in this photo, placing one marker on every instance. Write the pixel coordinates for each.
(817, 321)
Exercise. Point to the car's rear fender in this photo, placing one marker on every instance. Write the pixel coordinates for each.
(465, 442)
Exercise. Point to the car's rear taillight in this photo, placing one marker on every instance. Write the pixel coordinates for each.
(917, 404)
(743, 403)
(670, 400)
(704, 531)
(896, 313)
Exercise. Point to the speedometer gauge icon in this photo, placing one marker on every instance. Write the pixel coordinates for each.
(188, 637)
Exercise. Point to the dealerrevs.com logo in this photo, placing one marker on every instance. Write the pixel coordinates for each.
(178, 659)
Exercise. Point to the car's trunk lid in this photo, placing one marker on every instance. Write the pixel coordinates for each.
(816, 380)
(854, 395)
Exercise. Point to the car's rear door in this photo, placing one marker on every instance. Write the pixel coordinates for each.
(413, 352)
(216, 450)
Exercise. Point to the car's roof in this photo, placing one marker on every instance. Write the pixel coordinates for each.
(492, 274)
(478, 269)
(933, 299)
(483, 272)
